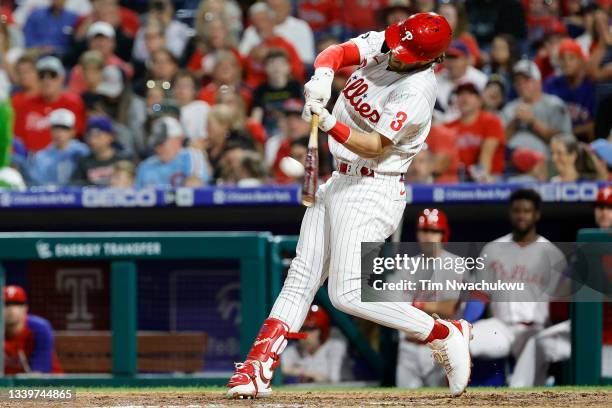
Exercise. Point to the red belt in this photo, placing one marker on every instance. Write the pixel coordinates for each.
(343, 168)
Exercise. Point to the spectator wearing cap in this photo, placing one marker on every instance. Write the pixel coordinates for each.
(318, 358)
(444, 154)
(268, 98)
(573, 160)
(97, 167)
(101, 38)
(480, 136)
(603, 210)
(534, 117)
(55, 164)
(32, 118)
(602, 150)
(530, 166)
(575, 88)
(193, 111)
(172, 165)
(457, 71)
(262, 20)
(28, 341)
(50, 29)
(177, 34)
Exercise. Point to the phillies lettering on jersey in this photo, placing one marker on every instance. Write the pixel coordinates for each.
(397, 105)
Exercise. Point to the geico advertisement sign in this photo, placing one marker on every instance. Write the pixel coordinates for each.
(96, 197)
(568, 192)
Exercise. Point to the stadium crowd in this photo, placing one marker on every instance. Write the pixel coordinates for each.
(187, 92)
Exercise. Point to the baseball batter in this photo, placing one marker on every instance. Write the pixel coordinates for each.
(378, 124)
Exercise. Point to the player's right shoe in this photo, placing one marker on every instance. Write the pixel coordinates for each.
(453, 354)
(252, 379)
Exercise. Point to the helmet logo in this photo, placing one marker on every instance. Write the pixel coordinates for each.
(407, 36)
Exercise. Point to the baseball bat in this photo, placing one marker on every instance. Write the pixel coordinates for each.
(311, 167)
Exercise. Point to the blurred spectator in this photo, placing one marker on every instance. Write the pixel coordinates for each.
(226, 74)
(546, 54)
(317, 358)
(31, 120)
(572, 160)
(101, 37)
(442, 143)
(279, 22)
(534, 117)
(268, 98)
(97, 167)
(226, 10)
(124, 21)
(212, 35)
(172, 165)
(26, 7)
(222, 135)
(487, 18)
(530, 165)
(480, 136)
(28, 341)
(55, 164)
(358, 16)
(456, 15)
(457, 71)
(241, 166)
(504, 55)
(323, 17)
(193, 111)
(420, 170)
(26, 82)
(494, 95)
(602, 152)
(163, 67)
(50, 29)
(543, 17)
(603, 217)
(11, 46)
(176, 33)
(229, 97)
(262, 19)
(123, 174)
(396, 11)
(600, 70)
(154, 40)
(575, 88)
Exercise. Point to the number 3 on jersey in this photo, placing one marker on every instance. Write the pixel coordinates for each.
(398, 123)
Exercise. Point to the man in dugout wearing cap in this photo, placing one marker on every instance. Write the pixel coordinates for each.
(28, 341)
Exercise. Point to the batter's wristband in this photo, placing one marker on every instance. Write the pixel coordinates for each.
(340, 132)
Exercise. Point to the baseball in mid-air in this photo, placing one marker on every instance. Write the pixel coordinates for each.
(291, 167)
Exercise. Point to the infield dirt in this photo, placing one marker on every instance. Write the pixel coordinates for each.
(345, 398)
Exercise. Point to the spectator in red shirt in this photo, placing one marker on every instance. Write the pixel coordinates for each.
(101, 37)
(263, 21)
(480, 136)
(442, 144)
(226, 73)
(359, 16)
(28, 342)
(32, 119)
(321, 16)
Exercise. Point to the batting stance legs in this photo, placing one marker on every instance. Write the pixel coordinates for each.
(330, 244)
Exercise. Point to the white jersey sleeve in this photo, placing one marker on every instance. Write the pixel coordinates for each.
(369, 44)
(406, 116)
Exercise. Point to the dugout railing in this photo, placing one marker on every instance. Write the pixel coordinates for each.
(263, 260)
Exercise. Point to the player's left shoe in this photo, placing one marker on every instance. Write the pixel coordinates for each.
(453, 354)
(252, 379)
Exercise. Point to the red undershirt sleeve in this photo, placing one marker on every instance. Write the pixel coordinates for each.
(338, 56)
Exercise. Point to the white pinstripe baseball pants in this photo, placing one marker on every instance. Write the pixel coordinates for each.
(348, 210)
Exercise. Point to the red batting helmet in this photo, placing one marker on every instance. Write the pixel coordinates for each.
(435, 220)
(318, 318)
(604, 196)
(421, 37)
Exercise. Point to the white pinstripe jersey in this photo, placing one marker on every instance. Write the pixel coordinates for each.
(399, 106)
